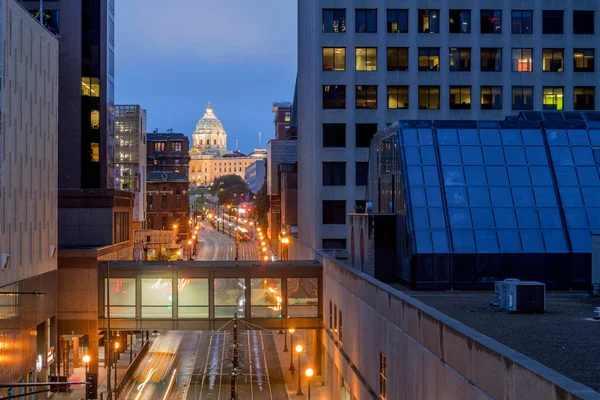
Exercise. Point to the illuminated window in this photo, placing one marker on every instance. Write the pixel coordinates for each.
(366, 96)
(491, 21)
(552, 60)
(429, 97)
(522, 60)
(397, 21)
(95, 152)
(583, 60)
(460, 21)
(90, 87)
(553, 98)
(397, 97)
(287, 117)
(366, 59)
(334, 59)
(382, 376)
(491, 97)
(460, 97)
(95, 119)
(429, 21)
(583, 98)
(177, 146)
(397, 59)
(159, 146)
(429, 59)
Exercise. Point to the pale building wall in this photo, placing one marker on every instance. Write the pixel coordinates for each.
(205, 169)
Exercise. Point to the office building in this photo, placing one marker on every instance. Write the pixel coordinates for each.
(28, 182)
(283, 116)
(362, 66)
(255, 175)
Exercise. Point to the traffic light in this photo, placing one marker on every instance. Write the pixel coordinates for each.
(91, 389)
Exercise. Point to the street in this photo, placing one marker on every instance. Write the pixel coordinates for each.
(216, 245)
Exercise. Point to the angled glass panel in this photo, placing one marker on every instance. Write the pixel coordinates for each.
(527, 218)
(447, 136)
(550, 218)
(532, 137)
(544, 197)
(519, 176)
(431, 175)
(505, 218)
(483, 218)
(591, 196)
(471, 155)
(436, 218)
(555, 241)
(302, 297)
(497, 176)
(501, 197)
(428, 155)
(541, 176)
(588, 176)
(493, 155)
(453, 176)
(486, 241)
(593, 217)
(510, 241)
(578, 137)
(581, 240)
(576, 218)
(511, 137)
(523, 197)
(409, 137)
(532, 241)
(570, 196)
(456, 196)
(583, 156)
(468, 136)
(229, 297)
(594, 137)
(415, 175)
(420, 218)
(425, 136)
(417, 197)
(536, 155)
(561, 155)
(490, 136)
(450, 155)
(566, 176)
(475, 176)
(424, 244)
(557, 137)
(440, 241)
(413, 156)
(463, 241)
(478, 196)
(460, 218)
(434, 196)
(515, 155)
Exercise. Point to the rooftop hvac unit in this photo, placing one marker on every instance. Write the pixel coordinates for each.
(524, 297)
(500, 287)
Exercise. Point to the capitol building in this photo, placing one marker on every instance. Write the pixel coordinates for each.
(209, 157)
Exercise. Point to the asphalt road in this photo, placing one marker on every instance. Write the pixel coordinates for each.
(216, 245)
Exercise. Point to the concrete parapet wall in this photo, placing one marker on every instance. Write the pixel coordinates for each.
(429, 355)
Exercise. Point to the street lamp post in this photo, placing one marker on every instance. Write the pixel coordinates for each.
(299, 351)
(309, 374)
(86, 360)
(116, 359)
(190, 249)
(292, 330)
(285, 348)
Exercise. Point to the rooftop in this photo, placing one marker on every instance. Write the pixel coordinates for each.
(564, 338)
(166, 176)
(153, 137)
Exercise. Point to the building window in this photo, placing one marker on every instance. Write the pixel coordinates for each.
(364, 134)
(552, 22)
(397, 21)
(121, 226)
(177, 147)
(583, 98)
(330, 315)
(522, 60)
(335, 325)
(552, 60)
(522, 22)
(583, 60)
(334, 174)
(583, 22)
(460, 21)
(340, 324)
(334, 135)
(334, 212)
(334, 244)
(164, 202)
(429, 59)
(95, 152)
(334, 20)
(149, 202)
(366, 97)
(360, 206)
(159, 146)
(95, 119)
(287, 117)
(491, 21)
(491, 59)
(362, 173)
(397, 97)
(178, 202)
(334, 59)
(366, 59)
(90, 87)
(522, 98)
(382, 376)
(366, 21)
(155, 161)
(460, 59)
(460, 97)
(397, 59)
(491, 97)
(429, 97)
(553, 98)
(334, 96)
(429, 21)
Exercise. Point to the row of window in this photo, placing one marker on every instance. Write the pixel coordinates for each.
(459, 21)
(334, 173)
(334, 59)
(334, 97)
(162, 146)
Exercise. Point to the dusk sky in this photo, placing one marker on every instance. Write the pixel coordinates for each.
(172, 57)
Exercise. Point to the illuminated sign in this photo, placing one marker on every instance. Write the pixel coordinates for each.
(38, 363)
(50, 356)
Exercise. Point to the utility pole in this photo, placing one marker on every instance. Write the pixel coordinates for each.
(235, 357)
(237, 242)
(107, 353)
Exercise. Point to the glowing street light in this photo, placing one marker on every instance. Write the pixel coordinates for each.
(86, 360)
(266, 258)
(299, 349)
(309, 373)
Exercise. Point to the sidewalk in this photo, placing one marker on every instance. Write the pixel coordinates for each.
(317, 390)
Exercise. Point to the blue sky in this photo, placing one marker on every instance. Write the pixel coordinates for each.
(173, 56)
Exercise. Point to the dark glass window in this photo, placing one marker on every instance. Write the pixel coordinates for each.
(360, 206)
(366, 97)
(552, 22)
(460, 21)
(429, 59)
(364, 134)
(334, 174)
(583, 60)
(522, 22)
(334, 58)
(552, 60)
(334, 20)
(51, 19)
(491, 97)
(164, 202)
(429, 97)
(397, 21)
(366, 58)
(522, 60)
(366, 21)
(334, 212)
(397, 59)
(491, 59)
(334, 244)
(491, 21)
(460, 97)
(522, 97)
(397, 97)
(460, 59)
(334, 135)
(362, 173)
(583, 22)
(429, 21)
(553, 98)
(583, 98)
(334, 96)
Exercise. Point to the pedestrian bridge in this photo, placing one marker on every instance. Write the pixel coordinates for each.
(202, 295)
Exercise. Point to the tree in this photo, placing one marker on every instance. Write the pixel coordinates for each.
(261, 206)
(231, 189)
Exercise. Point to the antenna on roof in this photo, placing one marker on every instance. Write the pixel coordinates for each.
(237, 143)
(260, 140)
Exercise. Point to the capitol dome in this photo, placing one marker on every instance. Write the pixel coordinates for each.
(209, 137)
